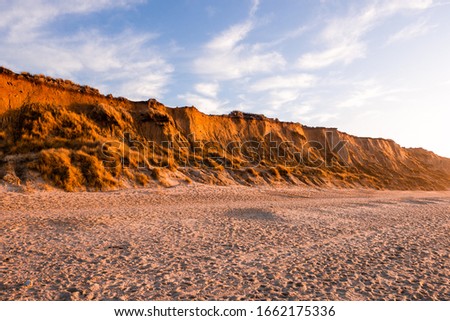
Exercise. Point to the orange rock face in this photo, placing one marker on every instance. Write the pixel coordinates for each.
(57, 133)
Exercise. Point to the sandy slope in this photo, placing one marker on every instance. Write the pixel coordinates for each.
(74, 138)
(204, 242)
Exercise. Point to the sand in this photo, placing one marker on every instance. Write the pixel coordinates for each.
(225, 243)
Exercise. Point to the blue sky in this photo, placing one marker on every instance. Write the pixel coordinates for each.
(371, 68)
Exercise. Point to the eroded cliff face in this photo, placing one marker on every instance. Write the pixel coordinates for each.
(56, 133)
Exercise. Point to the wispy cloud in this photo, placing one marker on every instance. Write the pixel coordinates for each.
(287, 36)
(205, 104)
(343, 37)
(125, 64)
(278, 98)
(207, 89)
(23, 18)
(345, 53)
(227, 56)
(204, 97)
(254, 8)
(361, 97)
(284, 82)
(122, 64)
(411, 31)
(320, 118)
(369, 92)
(229, 39)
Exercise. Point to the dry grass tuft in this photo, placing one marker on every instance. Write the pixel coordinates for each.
(252, 172)
(213, 164)
(142, 179)
(159, 175)
(274, 172)
(73, 170)
(94, 174)
(284, 171)
(55, 166)
(108, 116)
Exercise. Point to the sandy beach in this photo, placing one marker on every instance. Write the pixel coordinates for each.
(202, 242)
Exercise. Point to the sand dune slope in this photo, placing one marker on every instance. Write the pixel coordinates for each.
(54, 132)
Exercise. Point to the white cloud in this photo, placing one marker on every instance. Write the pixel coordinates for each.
(360, 98)
(344, 54)
(411, 31)
(355, 25)
(394, 6)
(343, 37)
(320, 118)
(284, 82)
(369, 93)
(207, 89)
(226, 56)
(22, 19)
(205, 97)
(123, 64)
(303, 109)
(204, 104)
(254, 8)
(228, 39)
(289, 35)
(278, 98)
(143, 85)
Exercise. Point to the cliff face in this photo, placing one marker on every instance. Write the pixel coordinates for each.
(54, 132)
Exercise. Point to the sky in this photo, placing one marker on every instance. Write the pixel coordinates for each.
(377, 68)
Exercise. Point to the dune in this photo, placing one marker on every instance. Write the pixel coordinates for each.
(57, 134)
